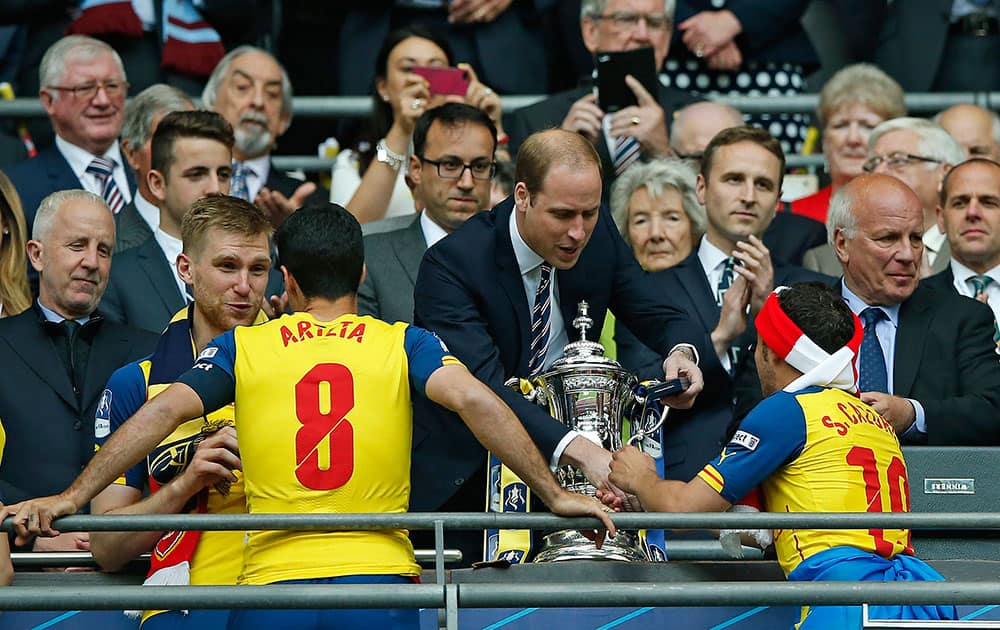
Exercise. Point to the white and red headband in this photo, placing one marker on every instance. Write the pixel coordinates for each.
(786, 339)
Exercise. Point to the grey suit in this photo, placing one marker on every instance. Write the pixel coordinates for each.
(142, 291)
(392, 259)
(131, 230)
(824, 260)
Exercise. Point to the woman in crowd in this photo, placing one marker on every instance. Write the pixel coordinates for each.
(853, 101)
(657, 212)
(15, 296)
(370, 180)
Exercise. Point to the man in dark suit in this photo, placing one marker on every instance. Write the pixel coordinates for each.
(631, 132)
(252, 92)
(729, 272)
(451, 169)
(969, 215)
(549, 240)
(191, 157)
(58, 354)
(140, 217)
(83, 92)
(932, 370)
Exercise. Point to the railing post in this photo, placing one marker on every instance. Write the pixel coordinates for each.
(451, 606)
(443, 615)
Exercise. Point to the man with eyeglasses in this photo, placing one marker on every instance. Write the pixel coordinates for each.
(451, 168)
(631, 133)
(919, 153)
(83, 90)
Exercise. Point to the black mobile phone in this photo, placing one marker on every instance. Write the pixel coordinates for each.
(612, 92)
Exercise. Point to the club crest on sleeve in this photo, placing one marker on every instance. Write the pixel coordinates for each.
(748, 441)
(102, 417)
(208, 353)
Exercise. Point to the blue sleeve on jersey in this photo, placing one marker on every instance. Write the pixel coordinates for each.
(425, 353)
(213, 376)
(124, 395)
(768, 437)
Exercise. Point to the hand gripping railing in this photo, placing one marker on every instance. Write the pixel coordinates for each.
(452, 596)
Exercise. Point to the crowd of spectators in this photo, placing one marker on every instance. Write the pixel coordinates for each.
(668, 213)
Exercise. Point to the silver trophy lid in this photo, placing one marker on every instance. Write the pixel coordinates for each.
(583, 352)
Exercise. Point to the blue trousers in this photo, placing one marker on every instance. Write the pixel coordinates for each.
(852, 564)
(354, 619)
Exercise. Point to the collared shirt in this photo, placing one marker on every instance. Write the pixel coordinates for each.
(961, 275)
(79, 159)
(149, 212)
(56, 318)
(171, 246)
(713, 261)
(432, 231)
(961, 8)
(885, 330)
(529, 264)
(260, 168)
(934, 240)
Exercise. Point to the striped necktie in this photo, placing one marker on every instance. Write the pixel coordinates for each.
(626, 152)
(725, 280)
(540, 321)
(102, 169)
(238, 181)
(979, 284)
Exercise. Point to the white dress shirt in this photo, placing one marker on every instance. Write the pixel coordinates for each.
(79, 159)
(934, 240)
(885, 330)
(149, 213)
(171, 247)
(713, 261)
(432, 231)
(962, 273)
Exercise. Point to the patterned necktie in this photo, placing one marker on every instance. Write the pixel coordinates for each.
(102, 169)
(540, 320)
(872, 373)
(238, 181)
(626, 152)
(979, 284)
(725, 280)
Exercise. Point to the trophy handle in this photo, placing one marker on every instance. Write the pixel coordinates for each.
(531, 391)
(647, 394)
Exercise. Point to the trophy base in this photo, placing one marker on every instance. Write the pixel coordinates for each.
(570, 544)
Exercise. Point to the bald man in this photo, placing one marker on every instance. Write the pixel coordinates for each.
(975, 128)
(694, 127)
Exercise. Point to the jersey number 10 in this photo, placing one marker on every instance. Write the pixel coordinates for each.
(899, 490)
(329, 424)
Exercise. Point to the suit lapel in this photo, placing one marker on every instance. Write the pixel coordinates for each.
(692, 277)
(943, 259)
(409, 249)
(154, 265)
(38, 353)
(60, 172)
(509, 275)
(914, 322)
(104, 350)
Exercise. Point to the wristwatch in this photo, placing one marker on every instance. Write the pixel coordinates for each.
(387, 156)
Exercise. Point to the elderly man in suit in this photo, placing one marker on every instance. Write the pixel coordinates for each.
(976, 128)
(630, 133)
(58, 354)
(969, 215)
(191, 158)
(253, 93)
(729, 273)
(83, 89)
(451, 169)
(501, 293)
(140, 218)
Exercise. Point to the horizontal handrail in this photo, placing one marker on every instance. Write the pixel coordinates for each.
(37, 559)
(476, 595)
(360, 106)
(467, 521)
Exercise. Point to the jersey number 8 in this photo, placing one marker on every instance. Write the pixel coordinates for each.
(323, 397)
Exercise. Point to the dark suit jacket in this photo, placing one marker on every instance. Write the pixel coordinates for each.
(469, 291)
(131, 230)
(790, 236)
(50, 434)
(142, 292)
(278, 180)
(693, 436)
(392, 260)
(912, 41)
(552, 111)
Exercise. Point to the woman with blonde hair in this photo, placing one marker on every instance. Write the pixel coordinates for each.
(15, 295)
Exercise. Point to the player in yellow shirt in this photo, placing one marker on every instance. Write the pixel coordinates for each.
(812, 446)
(226, 260)
(324, 422)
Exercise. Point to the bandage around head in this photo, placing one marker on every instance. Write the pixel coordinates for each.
(786, 339)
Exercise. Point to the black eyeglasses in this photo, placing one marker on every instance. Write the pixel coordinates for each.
(88, 91)
(895, 161)
(450, 168)
(628, 20)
